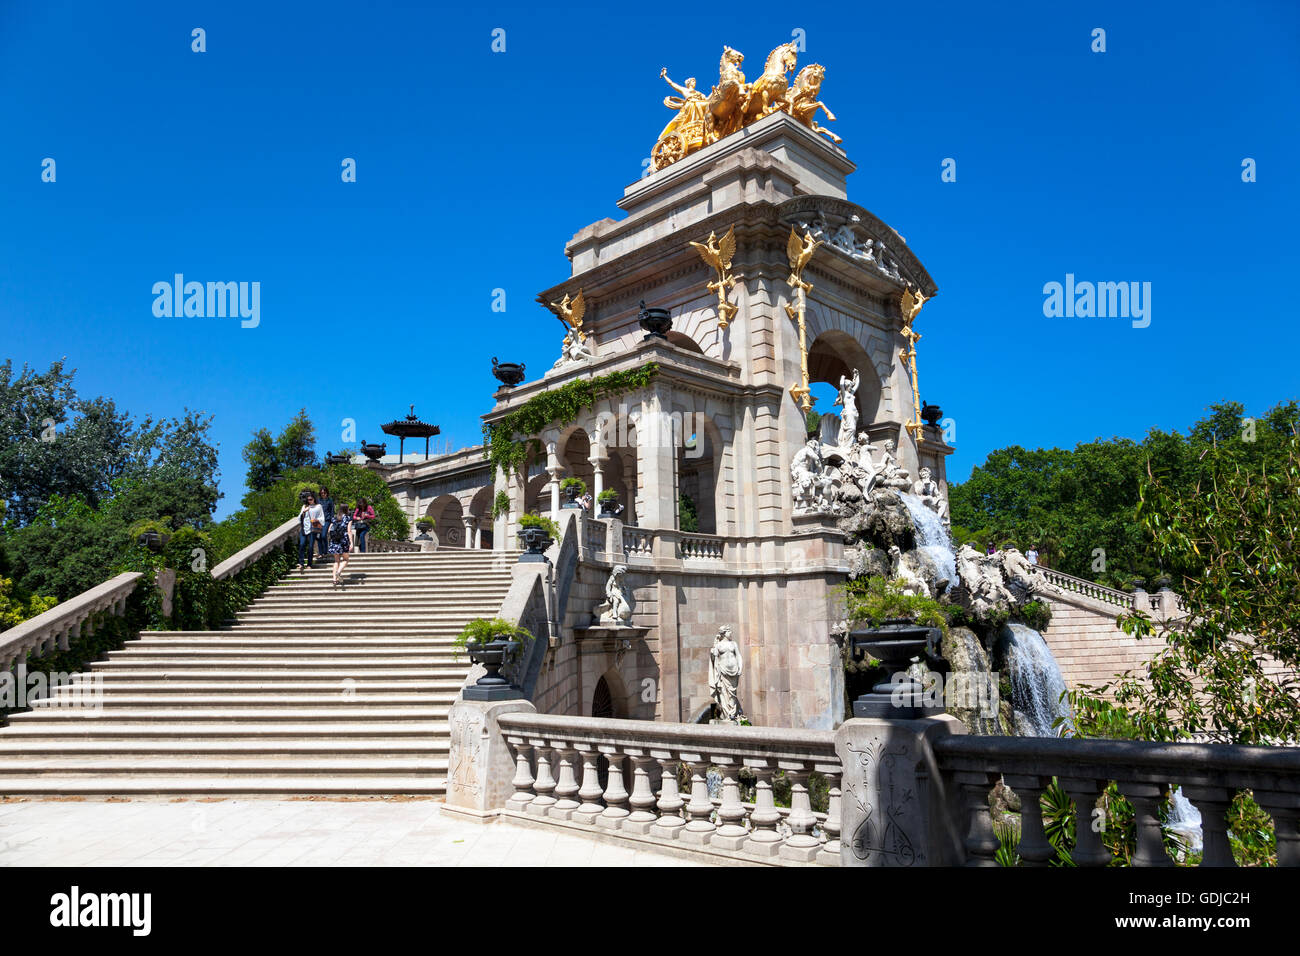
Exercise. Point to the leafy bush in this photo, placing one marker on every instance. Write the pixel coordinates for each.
(871, 601)
(1036, 614)
(568, 484)
(500, 505)
(608, 497)
(484, 630)
(531, 520)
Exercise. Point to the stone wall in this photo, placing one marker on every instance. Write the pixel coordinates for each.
(1087, 644)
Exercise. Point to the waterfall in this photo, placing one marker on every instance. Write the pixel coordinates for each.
(1036, 683)
(932, 537)
(1184, 821)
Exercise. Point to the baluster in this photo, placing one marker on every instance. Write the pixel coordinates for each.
(1284, 808)
(1146, 799)
(590, 794)
(699, 828)
(1034, 848)
(830, 851)
(1213, 802)
(731, 833)
(642, 817)
(670, 801)
(764, 840)
(1088, 848)
(616, 794)
(544, 785)
(523, 780)
(567, 786)
(801, 845)
(981, 842)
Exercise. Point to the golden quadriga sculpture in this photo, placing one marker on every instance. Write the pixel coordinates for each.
(734, 104)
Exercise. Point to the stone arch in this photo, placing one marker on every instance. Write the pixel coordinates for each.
(610, 693)
(699, 328)
(448, 520)
(480, 509)
(700, 471)
(835, 353)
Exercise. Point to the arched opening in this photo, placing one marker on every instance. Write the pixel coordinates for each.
(698, 461)
(448, 521)
(574, 453)
(480, 509)
(833, 356)
(602, 702)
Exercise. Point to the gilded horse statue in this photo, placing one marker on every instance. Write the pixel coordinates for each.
(733, 104)
(767, 93)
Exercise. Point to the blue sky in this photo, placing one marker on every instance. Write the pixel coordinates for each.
(474, 168)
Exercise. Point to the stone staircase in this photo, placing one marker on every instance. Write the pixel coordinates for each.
(312, 690)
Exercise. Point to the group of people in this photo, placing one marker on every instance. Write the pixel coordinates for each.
(1031, 555)
(330, 527)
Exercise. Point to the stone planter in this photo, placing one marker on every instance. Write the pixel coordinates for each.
(571, 494)
(895, 643)
(609, 509)
(535, 541)
(374, 451)
(424, 526)
(930, 414)
(154, 541)
(492, 686)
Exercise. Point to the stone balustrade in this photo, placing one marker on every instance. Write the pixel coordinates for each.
(558, 770)
(65, 622)
(1097, 592)
(1210, 776)
(701, 547)
(638, 542)
(388, 546)
(262, 546)
(593, 535)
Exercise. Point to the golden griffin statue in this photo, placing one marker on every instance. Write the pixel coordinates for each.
(734, 104)
(571, 313)
(909, 306)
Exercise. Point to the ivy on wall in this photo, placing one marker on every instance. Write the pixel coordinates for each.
(560, 406)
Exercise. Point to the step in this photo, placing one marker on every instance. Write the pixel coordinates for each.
(299, 711)
(278, 748)
(130, 684)
(200, 785)
(221, 670)
(237, 698)
(304, 765)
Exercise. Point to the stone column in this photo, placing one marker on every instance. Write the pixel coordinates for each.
(900, 812)
(471, 531)
(656, 461)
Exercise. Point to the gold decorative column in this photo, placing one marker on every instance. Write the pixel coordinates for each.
(717, 254)
(799, 251)
(910, 307)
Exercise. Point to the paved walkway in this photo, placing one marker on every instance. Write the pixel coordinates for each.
(284, 833)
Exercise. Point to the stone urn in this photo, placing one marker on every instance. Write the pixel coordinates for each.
(154, 541)
(492, 655)
(571, 493)
(895, 643)
(535, 540)
(425, 525)
(373, 451)
(337, 459)
(656, 322)
(931, 414)
(609, 508)
(508, 374)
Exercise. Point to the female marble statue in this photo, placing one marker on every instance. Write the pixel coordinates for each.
(848, 397)
(724, 676)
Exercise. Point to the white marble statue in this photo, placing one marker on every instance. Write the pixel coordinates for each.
(863, 465)
(724, 676)
(890, 473)
(813, 486)
(618, 604)
(927, 489)
(574, 350)
(913, 583)
(848, 398)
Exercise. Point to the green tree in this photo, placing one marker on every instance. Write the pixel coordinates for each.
(269, 458)
(1231, 660)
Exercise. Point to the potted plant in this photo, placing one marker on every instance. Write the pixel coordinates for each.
(536, 532)
(609, 506)
(491, 642)
(151, 533)
(573, 489)
(425, 524)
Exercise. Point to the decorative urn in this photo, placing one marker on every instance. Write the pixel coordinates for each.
(656, 322)
(895, 644)
(931, 414)
(372, 450)
(536, 540)
(492, 655)
(508, 374)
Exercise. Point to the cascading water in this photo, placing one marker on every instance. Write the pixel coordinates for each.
(932, 537)
(1036, 683)
(1184, 821)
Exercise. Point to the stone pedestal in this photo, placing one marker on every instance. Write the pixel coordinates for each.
(895, 809)
(480, 765)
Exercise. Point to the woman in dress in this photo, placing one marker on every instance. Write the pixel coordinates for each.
(362, 517)
(339, 543)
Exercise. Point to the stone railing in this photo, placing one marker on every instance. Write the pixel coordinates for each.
(557, 780)
(638, 542)
(1210, 775)
(707, 547)
(593, 535)
(262, 546)
(389, 546)
(1097, 592)
(65, 622)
